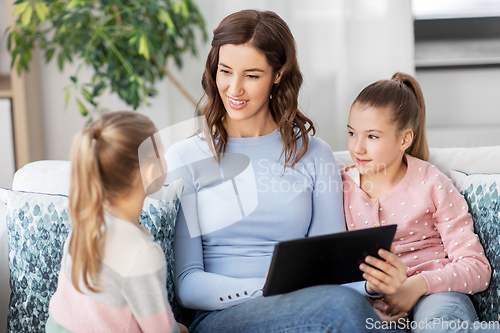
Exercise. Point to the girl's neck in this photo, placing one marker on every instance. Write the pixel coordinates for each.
(128, 208)
(378, 184)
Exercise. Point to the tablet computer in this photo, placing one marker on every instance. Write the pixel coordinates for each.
(326, 259)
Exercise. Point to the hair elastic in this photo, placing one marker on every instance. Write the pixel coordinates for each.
(96, 133)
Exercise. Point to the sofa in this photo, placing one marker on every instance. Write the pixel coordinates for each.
(477, 176)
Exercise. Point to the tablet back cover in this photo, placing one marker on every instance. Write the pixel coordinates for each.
(327, 259)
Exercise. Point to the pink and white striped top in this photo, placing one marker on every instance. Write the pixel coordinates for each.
(132, 284)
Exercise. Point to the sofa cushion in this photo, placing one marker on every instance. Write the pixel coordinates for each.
(158, 217)
(481, 193)
(37, 226)
(48, 176)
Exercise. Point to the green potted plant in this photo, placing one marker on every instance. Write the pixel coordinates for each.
(127, 43)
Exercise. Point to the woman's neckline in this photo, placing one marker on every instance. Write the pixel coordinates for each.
(254, 140)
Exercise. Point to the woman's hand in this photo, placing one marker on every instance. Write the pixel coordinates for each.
(387, 276)
(183, 328)
(405, 298)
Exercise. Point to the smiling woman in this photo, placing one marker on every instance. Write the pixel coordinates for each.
(288, 187)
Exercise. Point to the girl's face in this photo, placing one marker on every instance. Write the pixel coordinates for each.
(244, 80)
(374, 143)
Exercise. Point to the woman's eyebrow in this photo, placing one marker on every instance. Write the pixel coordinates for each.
(254, 70)
(224, 65)
(246, 70)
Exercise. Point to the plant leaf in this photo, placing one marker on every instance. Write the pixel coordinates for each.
(13, 56)
(88, 97)
(21, 8)
(60, 61)
(26, 18)
(143, 47)
(99, 88)
(49, 54)
(164, 17)
(19, 67)
(66, 101)
(82, 109)
(41, 11)
(133, 39)
(9, 42)
(176, 7)
(72, 4)
(184, 9)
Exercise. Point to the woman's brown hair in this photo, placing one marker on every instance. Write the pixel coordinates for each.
(402, 97)
(104, 163)
(269, 34)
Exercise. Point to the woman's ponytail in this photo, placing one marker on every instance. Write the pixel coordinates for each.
(86, 208)
(419, 147)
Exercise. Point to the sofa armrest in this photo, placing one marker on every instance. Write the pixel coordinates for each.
(4, 271)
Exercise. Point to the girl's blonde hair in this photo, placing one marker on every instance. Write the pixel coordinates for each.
(104, 164)
(402, 97)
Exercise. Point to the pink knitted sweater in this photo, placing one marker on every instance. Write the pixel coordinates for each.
(435, 235)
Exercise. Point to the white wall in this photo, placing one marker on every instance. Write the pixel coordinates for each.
(463, 108)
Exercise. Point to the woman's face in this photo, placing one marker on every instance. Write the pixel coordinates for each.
(244, 80)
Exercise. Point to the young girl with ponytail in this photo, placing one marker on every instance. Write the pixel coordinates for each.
(391, 183)
(113, 274)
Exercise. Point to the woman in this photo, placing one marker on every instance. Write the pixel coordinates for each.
(268, 181)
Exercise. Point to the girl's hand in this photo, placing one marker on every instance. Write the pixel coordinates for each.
(405, 298)
(389, 276)
(379, 306)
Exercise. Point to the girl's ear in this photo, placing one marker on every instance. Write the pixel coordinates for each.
(407, 139)
(278, 76)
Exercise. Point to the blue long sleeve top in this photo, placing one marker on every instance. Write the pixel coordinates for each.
(233, 213)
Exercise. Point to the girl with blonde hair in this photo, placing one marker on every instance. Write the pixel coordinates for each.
(113, 274)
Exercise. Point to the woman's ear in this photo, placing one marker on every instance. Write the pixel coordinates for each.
(278, 76)
(407, 139)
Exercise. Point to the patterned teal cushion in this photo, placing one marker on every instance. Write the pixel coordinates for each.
(158, 217)
(37, 226)
(481, 193)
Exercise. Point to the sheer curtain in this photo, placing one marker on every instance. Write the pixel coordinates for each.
(343, 45)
